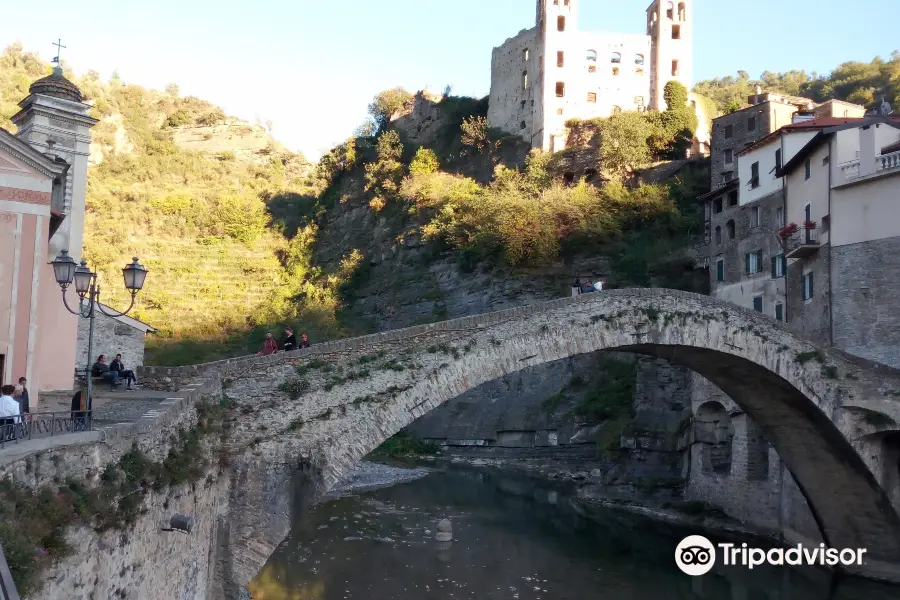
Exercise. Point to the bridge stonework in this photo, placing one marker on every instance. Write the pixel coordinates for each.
(320, 410)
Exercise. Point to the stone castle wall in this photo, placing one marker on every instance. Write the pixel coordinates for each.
(511, 102)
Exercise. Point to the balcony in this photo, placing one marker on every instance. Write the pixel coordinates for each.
(884, 163)
(803, 243)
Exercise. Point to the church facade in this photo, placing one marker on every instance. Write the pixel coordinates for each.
(43, 180)
(553, 72)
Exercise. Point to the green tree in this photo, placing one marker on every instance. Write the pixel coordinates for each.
(425, 161)
(624, 144)
(475, 134)
(388, 103)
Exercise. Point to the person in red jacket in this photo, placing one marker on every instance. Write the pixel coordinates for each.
(270, 346)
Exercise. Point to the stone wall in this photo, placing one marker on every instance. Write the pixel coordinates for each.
(864, 298)
(810, 318)
(110, 338)
(511, 103)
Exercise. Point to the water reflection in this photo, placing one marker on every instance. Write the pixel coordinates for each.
(513, 539)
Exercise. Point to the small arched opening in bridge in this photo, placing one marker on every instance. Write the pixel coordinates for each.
(714, 432)
(890, 465)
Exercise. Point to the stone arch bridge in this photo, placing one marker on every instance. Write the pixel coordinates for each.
(317, 411)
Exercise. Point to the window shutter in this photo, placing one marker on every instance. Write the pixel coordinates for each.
(810, 284)
(747, 263)
(774, 263)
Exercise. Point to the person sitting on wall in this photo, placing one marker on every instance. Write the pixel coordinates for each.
(101, 369)
(587, 287)
(304, 341)
(290, 342)
(270, 346)
(126, 374)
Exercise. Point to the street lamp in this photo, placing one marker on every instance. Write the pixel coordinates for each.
(65, 271)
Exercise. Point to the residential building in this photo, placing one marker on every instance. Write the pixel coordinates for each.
(551, 73)
(843, 187)
(43, 177)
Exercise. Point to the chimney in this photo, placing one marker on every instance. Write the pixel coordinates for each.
(867, 150)
(758, 90)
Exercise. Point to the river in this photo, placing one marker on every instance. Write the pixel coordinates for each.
(514, 538)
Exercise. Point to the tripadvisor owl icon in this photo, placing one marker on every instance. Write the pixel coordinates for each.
(695, 555)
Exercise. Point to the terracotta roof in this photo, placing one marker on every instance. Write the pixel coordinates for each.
(57, 86)
(820, 123)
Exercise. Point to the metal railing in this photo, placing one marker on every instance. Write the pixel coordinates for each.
(801, 243)
(8, 589)
(39, 425)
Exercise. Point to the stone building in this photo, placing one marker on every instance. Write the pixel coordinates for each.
(551, 73)
(113, 335)
(43, 176)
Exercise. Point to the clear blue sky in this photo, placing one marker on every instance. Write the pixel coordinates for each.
(311, 66)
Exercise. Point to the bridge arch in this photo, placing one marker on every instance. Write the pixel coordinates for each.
(795, 393)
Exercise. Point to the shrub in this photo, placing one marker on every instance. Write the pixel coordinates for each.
(424, 163)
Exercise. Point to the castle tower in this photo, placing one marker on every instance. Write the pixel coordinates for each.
(556, 21)
(670, 27)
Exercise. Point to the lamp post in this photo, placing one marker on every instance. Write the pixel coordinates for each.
(89, 297)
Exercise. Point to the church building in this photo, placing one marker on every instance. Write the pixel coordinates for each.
(553, 72)
(43, 179)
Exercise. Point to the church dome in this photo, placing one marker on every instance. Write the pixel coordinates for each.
(57, 86)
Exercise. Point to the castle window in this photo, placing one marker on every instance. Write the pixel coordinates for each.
(675, 71)
(676, 32)
(524, 80)
(559, 111)
(522, 125)
(729, 226)
(565, 2)
(682, 11)
(616, 58)
(615, 71)
(560, 23)
(592, 55)
(639, 72)
(560, 89)
(638, 59)
(592, 97)
(560, 59)
(718, 235)
(525, 55)
(592, 68)
(670, 10)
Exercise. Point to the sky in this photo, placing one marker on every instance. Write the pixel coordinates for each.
(312, 66)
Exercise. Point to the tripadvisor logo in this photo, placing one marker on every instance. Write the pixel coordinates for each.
(695, 555)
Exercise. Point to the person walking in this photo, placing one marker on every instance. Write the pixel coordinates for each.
(127, 374)
(576, 287)
(270, 346)
(24, 405)
(290, 342)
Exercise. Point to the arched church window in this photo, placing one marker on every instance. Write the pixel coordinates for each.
(616, 58)
(638, 59)
(592, 55)
(670, 10)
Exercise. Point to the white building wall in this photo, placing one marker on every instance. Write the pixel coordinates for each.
(768, 182)
(794, 142)
(812, 191)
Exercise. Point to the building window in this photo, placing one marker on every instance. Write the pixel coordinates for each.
(754, 175)
(717, 206)
(560, 23)
(808, 167)
(559, 111)
(778, 159)
(592, 55)
(525, 55)
(779, 311)
(729, 227)
(676, 32)
(592, 97)
(522, 125)
(638, 59)
(753, 260)
(720, 269)
(675, 68)
(754, 216)
(592, 68)
(729, 156)
(751, 124)
(729, 131)
(729, 176)
(670, 11)
(808, 286)
(616, 58)
(560, 89)
(732, 198)
(778, 265)
(682, 12)
(758, 303)
(615, 71)
(560, 59)
(718, 235)
(523, 105)
(779, 217)
(524, 80)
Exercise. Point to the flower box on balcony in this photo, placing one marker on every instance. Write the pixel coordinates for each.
(788, 231)
(809, 224)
